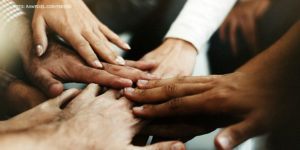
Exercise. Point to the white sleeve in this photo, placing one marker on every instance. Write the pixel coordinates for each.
(199, 19)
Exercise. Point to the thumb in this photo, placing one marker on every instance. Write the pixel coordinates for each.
(48, 84)
(234, 135)
(171, 145)
(40, 36)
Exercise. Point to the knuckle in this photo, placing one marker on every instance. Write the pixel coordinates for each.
(175, 104)
(170, 89)
(222, 94)
(82, 44)
(181, 79)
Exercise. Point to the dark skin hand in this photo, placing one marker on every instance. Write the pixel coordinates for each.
(258, 98)
(62, 64)
(244, 17)
(20, 97)
(37, 115)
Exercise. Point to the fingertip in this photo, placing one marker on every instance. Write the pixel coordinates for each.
(127, 46)
(55, 89)
(142, 83)
(125, 82)
(97, 64)
(120, 61)
(178, 146)
(223, 142)
(39, 50)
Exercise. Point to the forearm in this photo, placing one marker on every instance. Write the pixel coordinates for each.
(281, 60)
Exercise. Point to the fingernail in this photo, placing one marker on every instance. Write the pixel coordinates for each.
(142, 82)
(129, 82)
(129, 90)
(127, 46)
(224, 142)
(177, 146)
(153, 76)
(120, 60)
(98, 64)
(138, 109)
(39, 50)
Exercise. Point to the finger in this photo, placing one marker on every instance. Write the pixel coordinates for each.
(171, 145)
(161, 94)
(66, 96)
(144, 84)
(90, 92)
(248, 29)
(128, 72)
(84, 49)
(101, 77)
(40, 36)
(111, 95)
(232, 34)
(47, 83)
(234, 135)
(222, 30)
(142, 65)
(188, 105)
(113, 37)
(103, 48)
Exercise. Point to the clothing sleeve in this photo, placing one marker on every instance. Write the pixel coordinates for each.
(199, 19)
(8, 11)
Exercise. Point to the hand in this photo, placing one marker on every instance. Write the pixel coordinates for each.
(251, 102)
(41, 114)
(20, 97)
(244, 17)
(80, 28)
(107, 118)
(62, 64)
(175, 58)
(178, 128)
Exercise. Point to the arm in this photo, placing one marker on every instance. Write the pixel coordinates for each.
(88, 122)
(16, 96)
(77, 25)
(196, 23)
(260, 97)
(199, 19)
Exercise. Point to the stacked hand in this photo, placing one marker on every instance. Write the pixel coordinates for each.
(249, 104)
(62, 64)
(89, 121)
(77, 25)
(175, 58)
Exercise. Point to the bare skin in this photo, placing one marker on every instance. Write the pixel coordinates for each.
(258, 98)
(244, 17)
(20, 97)
(175, 58)
(62, 64)
(88, 122)
(77, 25)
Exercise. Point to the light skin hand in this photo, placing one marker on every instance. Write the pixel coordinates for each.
(77, 25)
(111, 121)
(254, 100)
(62, 64)
(244, 17)
(175, 58)
(88, 122)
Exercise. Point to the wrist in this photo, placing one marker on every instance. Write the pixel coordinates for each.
(181, 45)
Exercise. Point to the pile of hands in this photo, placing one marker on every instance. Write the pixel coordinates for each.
(181, 107)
